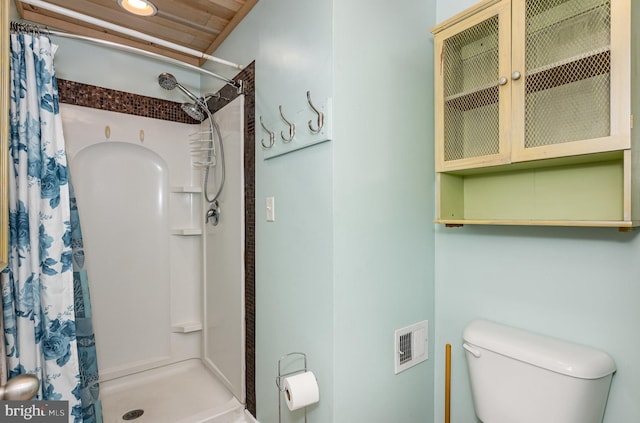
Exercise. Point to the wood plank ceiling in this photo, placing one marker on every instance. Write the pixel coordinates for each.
(201, 25)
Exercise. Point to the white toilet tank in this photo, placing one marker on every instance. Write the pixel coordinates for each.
(521, 377)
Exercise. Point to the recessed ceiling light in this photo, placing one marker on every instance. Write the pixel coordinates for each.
(139, 7)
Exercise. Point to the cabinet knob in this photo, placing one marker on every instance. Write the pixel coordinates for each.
(503, 80)
(516, 75)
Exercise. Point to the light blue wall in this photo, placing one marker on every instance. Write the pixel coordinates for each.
(383, 202)
(574, 283)
(350, 256)
(291, 42)
(94, 64)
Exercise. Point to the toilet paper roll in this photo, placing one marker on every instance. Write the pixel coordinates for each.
(301, 390)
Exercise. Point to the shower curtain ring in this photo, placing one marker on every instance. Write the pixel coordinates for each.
(319, 113)
(292, 128)
(272, 136)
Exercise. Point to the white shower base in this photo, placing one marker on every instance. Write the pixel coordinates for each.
(184, 392)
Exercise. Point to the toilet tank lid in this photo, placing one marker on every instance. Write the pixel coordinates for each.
(542, 351)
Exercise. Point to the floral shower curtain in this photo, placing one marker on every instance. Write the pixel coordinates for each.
(89, 387)
(42, 317)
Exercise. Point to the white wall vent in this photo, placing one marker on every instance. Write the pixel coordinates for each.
(411, 345)
(406, 351)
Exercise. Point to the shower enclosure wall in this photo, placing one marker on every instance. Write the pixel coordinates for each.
(167, 292)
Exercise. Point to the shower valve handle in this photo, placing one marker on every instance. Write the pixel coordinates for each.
(213, 214)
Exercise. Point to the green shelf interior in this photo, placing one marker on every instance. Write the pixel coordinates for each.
(587, 188)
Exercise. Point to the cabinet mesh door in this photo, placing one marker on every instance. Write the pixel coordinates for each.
(568, 64)
(470, 78)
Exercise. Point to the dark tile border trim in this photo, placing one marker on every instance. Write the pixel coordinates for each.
(95, 97)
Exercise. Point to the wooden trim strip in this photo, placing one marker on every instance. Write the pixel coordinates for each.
(447, 384)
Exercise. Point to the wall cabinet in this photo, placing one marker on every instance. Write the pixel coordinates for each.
(533, 114)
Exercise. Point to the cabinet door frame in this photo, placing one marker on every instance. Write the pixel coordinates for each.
(620, 87)
(503, 11)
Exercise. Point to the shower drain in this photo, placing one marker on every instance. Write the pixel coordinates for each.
(133, 414)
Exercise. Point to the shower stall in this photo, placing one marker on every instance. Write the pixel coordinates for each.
(167, 289)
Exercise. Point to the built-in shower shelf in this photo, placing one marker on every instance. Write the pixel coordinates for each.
(186, 189)
(186, 231)
(187, 203)
(187, 327)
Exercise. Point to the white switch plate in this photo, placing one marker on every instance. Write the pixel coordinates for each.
(271, 211)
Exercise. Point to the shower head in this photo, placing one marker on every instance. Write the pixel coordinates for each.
(169, 82)
(193, 110)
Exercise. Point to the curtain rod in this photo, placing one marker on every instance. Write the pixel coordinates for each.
(19, 26)
(130, 32)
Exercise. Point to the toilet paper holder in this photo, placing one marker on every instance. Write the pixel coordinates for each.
(282, 375)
